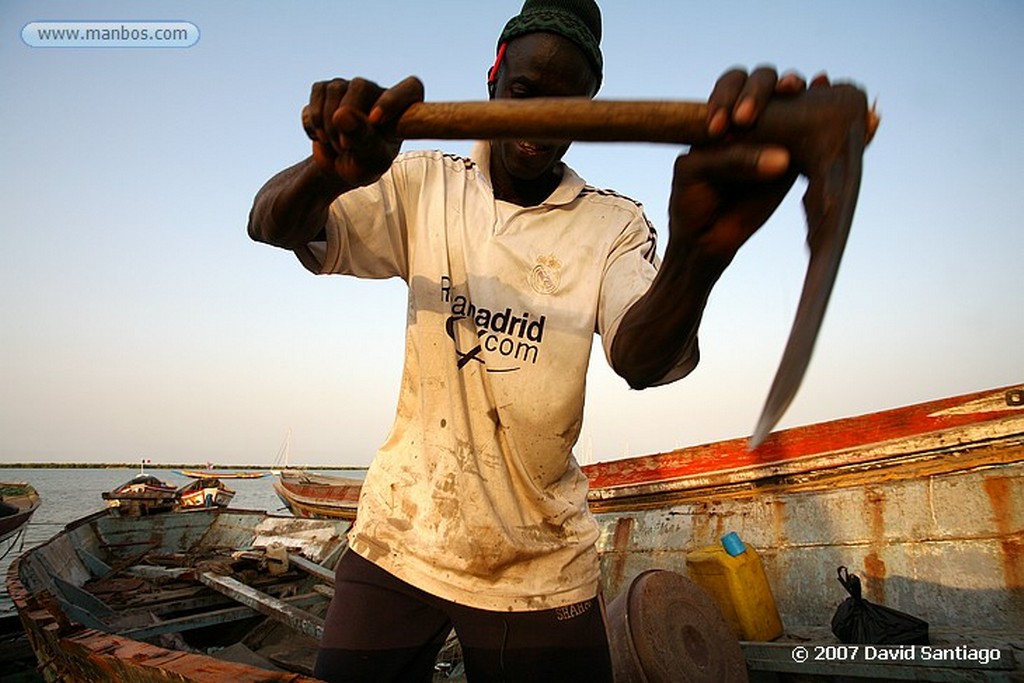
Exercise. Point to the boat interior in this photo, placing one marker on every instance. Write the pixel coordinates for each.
(201, 582)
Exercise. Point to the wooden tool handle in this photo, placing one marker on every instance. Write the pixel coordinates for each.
(580, 118)
(557, 118)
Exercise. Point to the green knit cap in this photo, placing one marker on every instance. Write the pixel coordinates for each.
(577, 20)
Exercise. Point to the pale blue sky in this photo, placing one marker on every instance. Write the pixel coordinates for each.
(138, 320)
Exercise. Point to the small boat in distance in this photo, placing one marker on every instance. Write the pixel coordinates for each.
(18, 502)
(217, 474)
(205, 493)
(308, 494)
(144, 494)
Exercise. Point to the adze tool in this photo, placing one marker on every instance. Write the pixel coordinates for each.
(825, 130)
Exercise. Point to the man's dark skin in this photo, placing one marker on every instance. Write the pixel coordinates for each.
(721, 194)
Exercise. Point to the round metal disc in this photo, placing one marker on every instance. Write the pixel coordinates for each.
(676, 632)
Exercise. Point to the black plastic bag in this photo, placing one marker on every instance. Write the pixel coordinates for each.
(858, 621)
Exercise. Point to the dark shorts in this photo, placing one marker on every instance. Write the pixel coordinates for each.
(379, 628)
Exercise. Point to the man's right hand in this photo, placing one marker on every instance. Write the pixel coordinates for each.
(352, 126)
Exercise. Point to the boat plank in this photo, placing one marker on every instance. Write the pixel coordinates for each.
(278, 610)
(312, 568)
(95, 565)
(83, 599)
(200, 597)
(106, 657)
(212, 618)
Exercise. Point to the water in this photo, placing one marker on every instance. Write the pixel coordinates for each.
(68, 494)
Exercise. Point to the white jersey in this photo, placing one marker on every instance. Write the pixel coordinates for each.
(475, 496)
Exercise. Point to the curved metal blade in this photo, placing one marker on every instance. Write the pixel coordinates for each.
(829, 203)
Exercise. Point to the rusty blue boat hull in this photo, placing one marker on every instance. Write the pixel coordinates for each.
(925, 503)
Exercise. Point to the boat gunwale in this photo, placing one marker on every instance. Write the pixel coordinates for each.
(666, 473)
(839, 472)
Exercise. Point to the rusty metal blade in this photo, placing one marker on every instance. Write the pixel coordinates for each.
(829, 203)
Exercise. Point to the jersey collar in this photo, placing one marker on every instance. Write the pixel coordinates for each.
(566, 192)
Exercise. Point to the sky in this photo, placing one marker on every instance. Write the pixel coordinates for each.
(138, 320)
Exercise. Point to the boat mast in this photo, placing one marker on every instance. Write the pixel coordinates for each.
(284, 454)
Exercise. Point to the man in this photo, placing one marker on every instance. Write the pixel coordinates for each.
(474, 512)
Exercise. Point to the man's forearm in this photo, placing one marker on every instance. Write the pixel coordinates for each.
(291, 208)
(662, 325)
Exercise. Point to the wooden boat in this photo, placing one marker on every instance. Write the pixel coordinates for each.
(219, 474)
(308, 494)
(18, 502)
(925, 503)
(144, 494)
(206, 492)
(209, 594)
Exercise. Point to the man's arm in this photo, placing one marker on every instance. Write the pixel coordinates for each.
(721, 195)
(661, 327)
(351, 125)
(290, 210)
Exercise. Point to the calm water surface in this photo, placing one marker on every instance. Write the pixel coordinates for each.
(68, 494)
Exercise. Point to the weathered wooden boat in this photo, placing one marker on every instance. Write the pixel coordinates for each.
(205, 492)
(18, 502)
(207, 595)
(220, 474)
(308, 494)
(925, 503)
(143, 494)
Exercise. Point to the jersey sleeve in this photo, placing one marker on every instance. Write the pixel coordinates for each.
(629, 271)
(367, 231)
